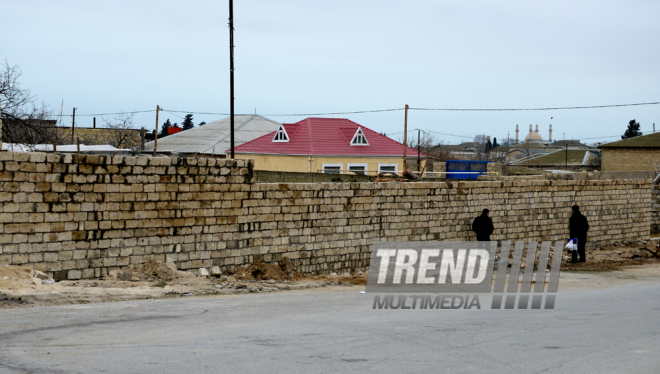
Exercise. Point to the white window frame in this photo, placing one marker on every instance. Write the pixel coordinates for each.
(366, 167)
(396, 167)
(278, 132)
(359, 131)
(340, 166)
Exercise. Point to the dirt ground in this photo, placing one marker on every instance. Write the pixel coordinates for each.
(152, 280)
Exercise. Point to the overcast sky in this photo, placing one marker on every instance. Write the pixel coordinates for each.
(296, 57)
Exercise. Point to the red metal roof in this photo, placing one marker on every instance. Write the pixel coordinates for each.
(325, 136)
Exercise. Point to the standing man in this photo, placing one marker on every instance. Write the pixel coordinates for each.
(578, 226)
(483, 226)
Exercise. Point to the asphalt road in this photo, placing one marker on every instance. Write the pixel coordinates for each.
(612, 330)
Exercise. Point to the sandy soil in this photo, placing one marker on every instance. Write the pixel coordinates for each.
(604, 268)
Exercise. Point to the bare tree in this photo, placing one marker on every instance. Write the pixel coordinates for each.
(23, 120)
(480, 141)
(118, 133)
(119, 125)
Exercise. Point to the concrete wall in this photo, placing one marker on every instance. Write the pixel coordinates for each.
(627, 159)
(77, 216)
(120, 138)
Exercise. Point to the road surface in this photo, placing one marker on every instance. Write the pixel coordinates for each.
(609, 330)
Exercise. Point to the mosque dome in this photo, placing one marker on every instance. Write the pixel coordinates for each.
(534, 136)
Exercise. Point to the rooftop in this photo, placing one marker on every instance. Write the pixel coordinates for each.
(643, 141)
(325, 136)
(214, 137)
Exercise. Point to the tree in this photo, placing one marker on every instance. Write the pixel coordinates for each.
(23, 121)
(120, 124)
(489, 146)
(632, 130)
(187, 123)
(201, 123)
(164, 127)
(495, 145)
(480, 140)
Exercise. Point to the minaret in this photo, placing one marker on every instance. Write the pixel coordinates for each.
(530, 128)
(537, 127)
(550, 134)
(517, 133)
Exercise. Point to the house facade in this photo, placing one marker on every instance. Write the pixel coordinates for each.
(638, 153)
(327, 145)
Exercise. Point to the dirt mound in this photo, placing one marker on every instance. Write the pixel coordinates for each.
(612, 258)
(152, 271)
(353, 279)
(262, 271)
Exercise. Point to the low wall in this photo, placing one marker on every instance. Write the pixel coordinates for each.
(77, 216)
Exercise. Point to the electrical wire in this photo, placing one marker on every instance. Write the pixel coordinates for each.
(538, 109)
(384, 110)
(109, 114)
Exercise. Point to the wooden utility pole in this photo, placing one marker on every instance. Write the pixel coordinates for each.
(566, 151)
(73, 125)
(156, 133)
(419, 162)
(231, 76)
(528, 153)
(405, 140)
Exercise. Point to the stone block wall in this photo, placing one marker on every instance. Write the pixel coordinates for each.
(627, 159)
(655, 209)
(81, 216)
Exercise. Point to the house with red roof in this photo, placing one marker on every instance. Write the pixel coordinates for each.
(329, 145)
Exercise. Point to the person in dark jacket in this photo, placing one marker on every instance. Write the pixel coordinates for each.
(483, 226)
(578, 226)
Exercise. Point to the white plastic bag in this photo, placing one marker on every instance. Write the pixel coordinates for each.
(572, 245)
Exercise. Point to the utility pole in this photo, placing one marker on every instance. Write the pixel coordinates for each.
(156, 132)
(528, 152)
(405, 140)
(231, 75)
(73, 124)
(566, 152)
(419, 163)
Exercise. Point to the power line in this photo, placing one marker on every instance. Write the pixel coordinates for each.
(537, 109)
(386, 110)
(110, 114)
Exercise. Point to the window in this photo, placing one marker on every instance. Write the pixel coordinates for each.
(360, 169)
(332, 168)
(359, 138)
(281, 135)
(387, 168)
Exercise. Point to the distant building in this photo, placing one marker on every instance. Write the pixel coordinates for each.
(214, 138)
(119, 138)
(534, 136)
(559, 159)
(328, 145)
(638, 153)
